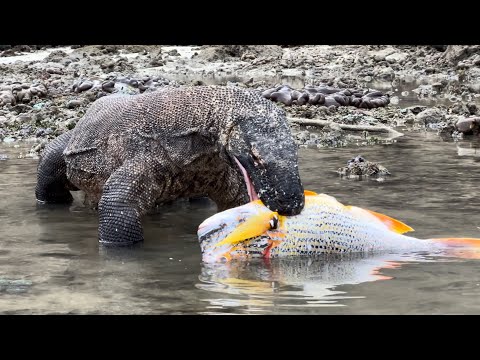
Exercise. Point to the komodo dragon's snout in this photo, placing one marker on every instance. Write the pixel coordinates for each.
(129, 153)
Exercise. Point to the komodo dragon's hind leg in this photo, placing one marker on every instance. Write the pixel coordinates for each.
(52, 183)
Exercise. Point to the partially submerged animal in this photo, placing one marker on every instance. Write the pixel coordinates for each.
(325, 226)
(129, 153)
(359, 166)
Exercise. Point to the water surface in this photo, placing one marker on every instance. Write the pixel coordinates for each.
(50, 261)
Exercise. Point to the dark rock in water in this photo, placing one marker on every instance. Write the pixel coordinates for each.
(267, 93)
(56, 56)
(6, 97)
(142, 87)
(157, 61)
(472, 108)
(25, 131)
(416, 109)
(85, 86)
(21, 108)
(355, 101)
(54, 70)
(468, 126)
(108, 86)
(173, 52)
(302, 99)
(295, 94)
(40, 132)
(72, 104)
(314, 100)
(326, 96)
(341, 99)
(330, 101)
(441, 48)
(447, 130)
(283, 97)
(359, 166)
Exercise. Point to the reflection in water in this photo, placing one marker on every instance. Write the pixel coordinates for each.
(310, 282)
(469, 149)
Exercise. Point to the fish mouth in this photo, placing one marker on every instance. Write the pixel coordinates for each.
(252, 194)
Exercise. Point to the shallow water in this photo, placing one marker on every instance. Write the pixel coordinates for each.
(34, 55)
(50, 261)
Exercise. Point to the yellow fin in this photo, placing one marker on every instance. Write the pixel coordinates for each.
(310, 193)
(254, 226)
(393, 224)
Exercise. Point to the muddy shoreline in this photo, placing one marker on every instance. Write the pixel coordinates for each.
(45, 90)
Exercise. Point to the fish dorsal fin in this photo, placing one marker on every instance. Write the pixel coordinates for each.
(391, 223)
(310, 193)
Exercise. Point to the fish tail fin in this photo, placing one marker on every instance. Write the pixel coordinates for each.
(464, 248)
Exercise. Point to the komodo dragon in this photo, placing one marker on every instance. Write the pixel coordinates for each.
(129, 153)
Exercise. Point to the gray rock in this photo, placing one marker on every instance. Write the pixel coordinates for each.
(386, 73)
(396, 57)
(416, 109)
(70, 123)
(438, 86)
(469, 125)
(24, 118)
(475, 87)
(84, 86)
(430, 116)
(382, 54)
(72, 104)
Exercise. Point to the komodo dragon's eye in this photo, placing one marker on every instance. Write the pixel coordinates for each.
(274, 222)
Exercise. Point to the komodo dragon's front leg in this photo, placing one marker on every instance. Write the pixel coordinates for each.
(127, 195)
(52, 183)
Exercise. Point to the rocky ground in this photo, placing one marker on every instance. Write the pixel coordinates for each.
(45, 90)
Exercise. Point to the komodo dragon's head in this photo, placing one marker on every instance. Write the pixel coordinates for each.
(264, 150)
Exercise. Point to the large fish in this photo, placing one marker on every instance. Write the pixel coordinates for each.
(325, 226)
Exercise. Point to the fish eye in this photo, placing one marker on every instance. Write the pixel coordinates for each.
(274, 222)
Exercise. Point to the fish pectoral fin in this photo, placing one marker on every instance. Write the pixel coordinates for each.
(391, 223)
(250, 228)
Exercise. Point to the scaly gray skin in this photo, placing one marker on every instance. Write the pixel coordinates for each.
(130, 152)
